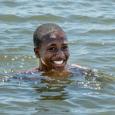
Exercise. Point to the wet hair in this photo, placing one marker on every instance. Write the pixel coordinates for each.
(44, 30)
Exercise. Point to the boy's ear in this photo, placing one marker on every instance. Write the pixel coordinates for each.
(36, 51)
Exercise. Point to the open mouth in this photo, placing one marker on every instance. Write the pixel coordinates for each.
(59, 65)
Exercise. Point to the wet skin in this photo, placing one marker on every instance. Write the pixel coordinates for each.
(53, 52)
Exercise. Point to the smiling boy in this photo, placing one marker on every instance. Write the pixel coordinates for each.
(51, 47)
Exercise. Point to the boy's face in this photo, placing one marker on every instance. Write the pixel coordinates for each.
(53, 52)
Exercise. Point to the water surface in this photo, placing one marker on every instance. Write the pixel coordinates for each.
(90, 27)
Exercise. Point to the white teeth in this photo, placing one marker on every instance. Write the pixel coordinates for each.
(58, 62)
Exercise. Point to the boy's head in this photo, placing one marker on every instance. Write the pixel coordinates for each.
(51, 47)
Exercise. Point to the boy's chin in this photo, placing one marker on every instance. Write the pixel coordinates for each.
(59, 69)
(57, 73)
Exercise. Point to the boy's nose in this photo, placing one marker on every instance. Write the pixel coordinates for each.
(60, 54)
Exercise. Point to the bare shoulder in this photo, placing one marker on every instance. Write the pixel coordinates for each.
(79, 66)
(84, 70)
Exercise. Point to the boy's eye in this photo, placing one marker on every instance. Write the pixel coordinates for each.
(52, 49)
(65, 47)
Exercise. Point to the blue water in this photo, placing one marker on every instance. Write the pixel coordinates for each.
(90, 27)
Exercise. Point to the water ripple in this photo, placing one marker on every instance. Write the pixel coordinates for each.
(90, 26)
(14, 18)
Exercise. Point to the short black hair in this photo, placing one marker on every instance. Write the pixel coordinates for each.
(43, 30)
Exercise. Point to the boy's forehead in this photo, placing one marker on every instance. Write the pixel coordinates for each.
(54, 39)
(55, 36)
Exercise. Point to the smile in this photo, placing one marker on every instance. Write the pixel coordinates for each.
(59, 62)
